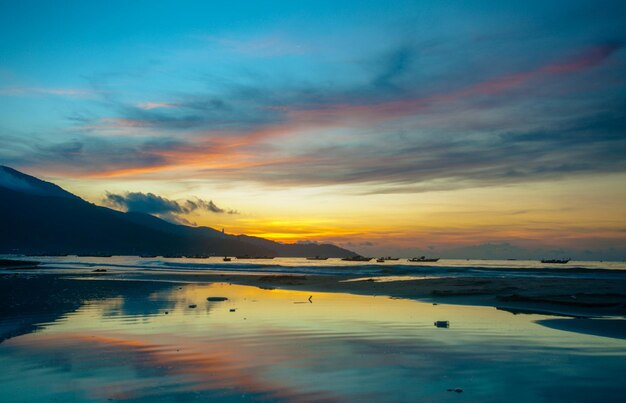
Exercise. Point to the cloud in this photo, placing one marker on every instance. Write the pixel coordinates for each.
(144, 202)
(171, 210)
(203, 205)
(390, 132)
(393, 67)
(84, 154)
(155, 105)
(65, 92)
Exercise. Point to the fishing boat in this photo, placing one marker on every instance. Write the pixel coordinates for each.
(423, 259)
(557, 261)
(226, 259)
(357, 259)
(385, 258)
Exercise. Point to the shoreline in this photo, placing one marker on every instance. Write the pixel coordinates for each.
(573, 297)
(30, 299)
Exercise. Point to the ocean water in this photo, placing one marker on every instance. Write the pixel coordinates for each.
(442, 268)
(278, 345)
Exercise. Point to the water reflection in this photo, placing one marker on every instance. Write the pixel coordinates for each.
(338, 348)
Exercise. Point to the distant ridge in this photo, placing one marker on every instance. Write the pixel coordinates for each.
(38, 217)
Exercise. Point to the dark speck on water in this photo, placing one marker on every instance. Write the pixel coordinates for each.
(216, 299)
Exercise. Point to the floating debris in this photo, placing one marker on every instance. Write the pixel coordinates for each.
(442, 323)
(193, 306)
(457, 390)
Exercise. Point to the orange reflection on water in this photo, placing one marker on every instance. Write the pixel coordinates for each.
(175, 362)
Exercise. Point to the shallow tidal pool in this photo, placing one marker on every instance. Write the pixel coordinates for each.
(276, 345)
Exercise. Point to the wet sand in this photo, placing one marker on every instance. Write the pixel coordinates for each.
(571, 297)
(574, 297)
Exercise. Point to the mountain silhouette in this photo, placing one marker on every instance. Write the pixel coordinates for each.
(38, 217)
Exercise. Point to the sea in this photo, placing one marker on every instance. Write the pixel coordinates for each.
(335, 266)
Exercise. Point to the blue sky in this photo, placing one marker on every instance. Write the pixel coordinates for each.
(372, 98)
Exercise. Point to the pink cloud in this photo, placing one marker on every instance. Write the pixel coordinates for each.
(589, 58)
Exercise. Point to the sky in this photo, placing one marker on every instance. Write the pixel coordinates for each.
(382, 126)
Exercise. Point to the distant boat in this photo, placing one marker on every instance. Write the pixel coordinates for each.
(557, 261)
(357, 259)
(255, 257)
(317, 258)
(380, 260)
(424, 259)
(197, 256)
(173, 256)
(148, 256)
(226, 259)
(391, 258)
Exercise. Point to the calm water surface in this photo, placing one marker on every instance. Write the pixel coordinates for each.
(279, 346)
